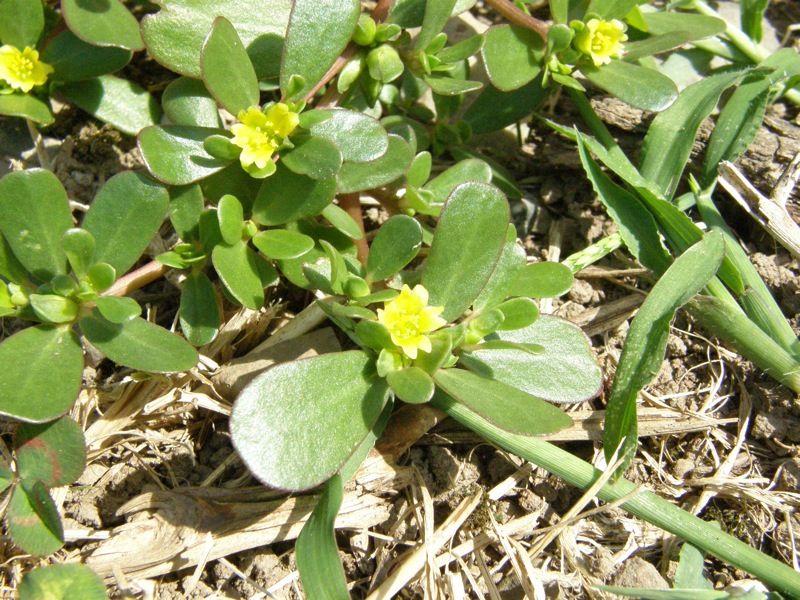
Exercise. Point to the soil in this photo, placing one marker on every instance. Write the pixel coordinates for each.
(171, 436)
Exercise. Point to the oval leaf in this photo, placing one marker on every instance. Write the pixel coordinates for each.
(26, 107)
(313, 156)
(397, 243)
(288, 196)
(412, 385)
(237, 267)
(187, 101)
(360, 138)
(139, 344)
(175, 155)
(501, 404)
(282, 243)
(103, 23)
(517, 313)
(466, 246)
(116, 309)
(316, 410)
(566, 371)
(638, 86)
(124, 217)
(62, 582)
(34, 214)
(200, 314)
(513, 56)
(33, 521)
(318, 32)
(43, 371)
(21, 22)
(227, 70)
(53, 453)
(542, 280)
(355, 177)
(75, 60)
(230, 214)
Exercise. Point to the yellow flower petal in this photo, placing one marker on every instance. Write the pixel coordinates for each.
(409, 319)
(22, 70)
(260, 134)
(601, 40)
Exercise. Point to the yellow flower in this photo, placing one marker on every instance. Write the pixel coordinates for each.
(22, 70)
(601, 40)
(260, 134)
(409, 318)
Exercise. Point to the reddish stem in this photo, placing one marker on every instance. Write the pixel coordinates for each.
(136, 279)
(351, 203)
(516, 17)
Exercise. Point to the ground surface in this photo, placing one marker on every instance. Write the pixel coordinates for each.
(162, 444)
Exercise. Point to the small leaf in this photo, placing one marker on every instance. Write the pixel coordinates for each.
(200, 314)
(46, 376)
(53, 453)
(374, 335)
(124, 217)
(79, 246)
(282, 243)
(466, 246)
(101, 276)
(564, 371)
(313, 156)
(495, 109)
(21, 22)
(511, 262)
(450, 86)
(121, 103)
(635, 85)
(517, 313)
(342, 221)
(611, 9)
(292, 268)
(316, 410)
(226, 68)
(287, 196)
(411, 385)
(187, 101)
(542, 280)
(102, 23)
(355, 177)
(397, 243)
(318, 32)
(462, 50)
(53, 309)
(501, 404)
(237, 267)
(185, 207)
(436, 15)
(34, 214)
(26, 107)
(139, 344)
(360, 138)
(116, 309)
(174, 154)
(33, 521)
(513, 56)
(75, 60)
(175, 34)
(231, 219)
(470, 169)
(10, 267)
(62, 582)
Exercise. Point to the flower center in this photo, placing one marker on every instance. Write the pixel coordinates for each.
(21, 67)
(602, 43)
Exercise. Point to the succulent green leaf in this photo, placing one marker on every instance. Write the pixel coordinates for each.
(62, 582)
(513, 56)
(542, 280)
(342, 221)
(33, 521)
(53, 453)
(139, 344)
(21, 22)
(103, 23)
(635, 85)
(646, 341)
(292, 268)
(237, 267)
(373, 335)
(436, 15)
(101, 276)
(360, 138)
(466, 246)
(231, 219)
(316, 410)
(655, 45)
(697, 26)
(470, 169)
(227, 71)
(517, 313)
(175, 34)
(79, 246)
(313, 156)
(611, 9)
(283, 243)
(187, 101)
(411, 385)
(174, 154)
(53, 309)
(449, 86)
(123, 104)
(185, 207)
(10, 267)
(26, 106)
(124, 217)
(669, 139)
(116, 309)
(396, 244)
(565, 371)
(318, 32)
(420, 169)
(75, 60)
(235, 181)
(355, 177)
(384, 63)
(495, 109)
(200, 314)
(288, 196)
(505, 406)
(48, 377)
(511, 262)
(34, 214)
(462, 50)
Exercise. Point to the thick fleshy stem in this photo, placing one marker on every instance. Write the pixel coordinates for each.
(516, 17)
(351, 204)
(136, 279)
